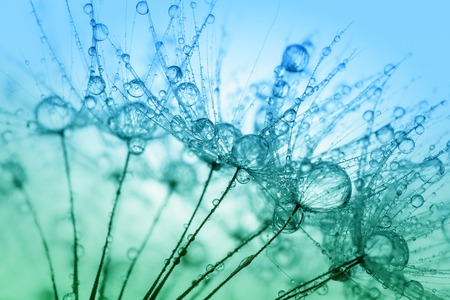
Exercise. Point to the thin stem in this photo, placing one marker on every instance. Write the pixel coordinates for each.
(176, 260)
(105, 276)
(73, 220)
(167, 261)
(146, 239)
(196, 282)
(38, 226)
(110, 227)
(324, 278)
(249, 259)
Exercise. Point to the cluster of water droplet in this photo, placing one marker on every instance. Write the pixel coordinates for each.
(329, 169)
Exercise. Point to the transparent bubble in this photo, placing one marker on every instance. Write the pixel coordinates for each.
(132, 122)
(87, 8)
(177, 124)
(174, 11)
(326, 186)
(203, 129)
(407, 146)
(368, 115)
(174, 74)
(431, 170)
(226, 135)
(399, 112)
(132, 253)
(142, 7)
(101, 32)
(90, 102)
(70, 296)
(413, 290)
(188, 93)
(295, 58)
(210, 19)
(243, 177)
(281, 128)
(135, 88)
(250, 152)
(385, 222)
(385, 251)
(289, 115)
(280, 89)
(326, 51)
(96, 85)
(137, 146)
(385, 134)
(281, 215)
(54, 114)
(417, 201)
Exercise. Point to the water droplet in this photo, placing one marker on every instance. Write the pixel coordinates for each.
(216, 202)
(385, 251)
(399, 112)
(250, 152)
(417, 201)
(295, 58)
(132, 122)
(407, 146)
(368, 115)
(70, 296)
(432, 170)
(243, 177)
(101, 32)
(385, 134)
(174, 74)
(326, 186)
(281, 215)
(413, 290)
(90, 102)
(210, 19)
(135, 88)
(174, 11)
(132, 253)
(188, 93)
(54, 114)
(87, 8)
(280, 89)
(203, 129)
(289, 115)
(142, 7)
(326, 51)
(137, 146)
(96, 85)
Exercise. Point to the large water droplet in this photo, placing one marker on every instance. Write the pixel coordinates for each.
(188, 93)
(281, 215)
(250, 152)
(295, 58)
(54, 114)
(101, 32)
(96, 85)
(326, 186)
(132, 122)
(385, 251)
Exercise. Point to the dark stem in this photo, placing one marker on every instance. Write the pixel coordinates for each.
(304, 288)
(176, 261)
(145, 241)
(43, 241)
(110, 227)
(249, 259)
(167, 261)
(73, 220)
(196, 282)
(102, 288)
